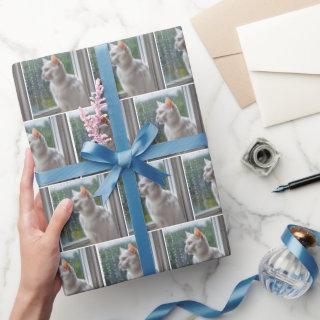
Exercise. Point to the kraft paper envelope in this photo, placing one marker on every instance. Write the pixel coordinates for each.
(283, 59)
(216, 28)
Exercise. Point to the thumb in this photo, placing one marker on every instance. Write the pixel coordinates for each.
(59, 219)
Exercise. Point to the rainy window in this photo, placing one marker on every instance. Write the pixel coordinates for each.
(72, 235)
(40, 98)
(175, 69)
(75, 260)
(109, 259)
(202, 198)
(44, 126)
(175, 241)
(163, 166)
(146, 106)
(79, 261)
(93, 63)
(137, 47)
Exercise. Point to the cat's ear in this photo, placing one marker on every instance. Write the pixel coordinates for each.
(132, 249)
(198, 233)
(44, 60)
(74, 193)
(188, 234)
(207, 162)
(169, 103)
(121, 44)
(54, 60)
(66, 265)
(84, 191)
(178, 31)
(36, 133)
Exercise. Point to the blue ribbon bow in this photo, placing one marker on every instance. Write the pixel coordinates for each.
(241, 289)
(123, 160)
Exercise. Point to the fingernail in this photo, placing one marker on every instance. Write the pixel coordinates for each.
(68, 204)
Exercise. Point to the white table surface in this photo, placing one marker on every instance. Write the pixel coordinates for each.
(255, 216)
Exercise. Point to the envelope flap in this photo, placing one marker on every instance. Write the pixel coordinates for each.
(287, 43)
(216, 26)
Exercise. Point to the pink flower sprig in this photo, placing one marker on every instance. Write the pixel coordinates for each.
(97, 125)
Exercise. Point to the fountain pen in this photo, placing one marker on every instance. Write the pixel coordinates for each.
(298, 183)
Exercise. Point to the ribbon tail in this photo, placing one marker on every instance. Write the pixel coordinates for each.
(148, 171)
(201, 310)
(105, 189)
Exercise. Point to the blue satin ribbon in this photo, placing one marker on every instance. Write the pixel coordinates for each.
(241, 289)
(86, 168)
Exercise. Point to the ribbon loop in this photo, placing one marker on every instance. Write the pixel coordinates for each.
(95, 152)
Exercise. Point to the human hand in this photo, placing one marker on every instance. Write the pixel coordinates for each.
(39, 250)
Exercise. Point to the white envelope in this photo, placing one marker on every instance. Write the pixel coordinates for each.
(283, 58)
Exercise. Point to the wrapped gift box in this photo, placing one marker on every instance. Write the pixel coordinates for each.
(132, 225)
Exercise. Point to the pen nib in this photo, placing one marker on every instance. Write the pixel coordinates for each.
(280, 189)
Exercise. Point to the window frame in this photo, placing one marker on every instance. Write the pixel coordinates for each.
(203, 213)
(53, 110)
(188, 100)
(83, 242)
(86, 267)
(173, 83)
(217, 234)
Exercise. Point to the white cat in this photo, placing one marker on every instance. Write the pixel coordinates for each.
(129, 261)
(45, 158)
(163, 207)
(180, 45)
(67, 90)
(196, 244)
(71, 284)
(208, 176)
(96, 221)
(133, 74)
(175, 126)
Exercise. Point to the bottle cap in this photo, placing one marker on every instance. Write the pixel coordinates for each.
(305, 236)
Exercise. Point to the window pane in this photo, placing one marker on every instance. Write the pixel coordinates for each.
(40, 97)
(72, 231)
(146, 106)
(74, 259)
(94, 63)
(44, 127)
(172, 63)
(175, 241)
(109, 257)
(200, 191)
(157, 164)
